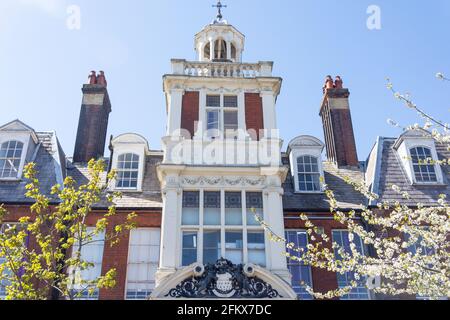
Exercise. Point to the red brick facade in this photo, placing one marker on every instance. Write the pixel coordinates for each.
(190, 111)
(254, 116)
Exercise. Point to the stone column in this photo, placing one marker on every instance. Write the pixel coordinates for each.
(228, 50)
(212, 49)
(275, 218)
(169, 228)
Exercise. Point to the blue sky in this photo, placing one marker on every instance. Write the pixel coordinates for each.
(43, 64)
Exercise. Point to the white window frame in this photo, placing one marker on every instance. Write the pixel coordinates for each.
(364, 248)
(25, 141)
(403, 150)
(152, 247)
(137, 151)
(435, 166)
(294, 156)
(222, 109)
(294, 263)
(99, 266)
(128, 170)
(244, 228)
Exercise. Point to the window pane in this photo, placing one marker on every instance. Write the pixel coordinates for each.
(231, 124)
(127, 171)
(300, 273)
(143, 259)
(211, 211)
(213, 100)
(234, 246)
(361, 292)
(189, 248)
(92, 252)
(233, 208)
(256, 248)
(254, 203)
(10, 158)
(230, 101)
(423, 171)
(191, 205)
(211, 246)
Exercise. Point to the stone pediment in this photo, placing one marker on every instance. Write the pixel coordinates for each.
(306, 141)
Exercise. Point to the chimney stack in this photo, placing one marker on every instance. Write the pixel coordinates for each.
(93, 123)
(337, 124)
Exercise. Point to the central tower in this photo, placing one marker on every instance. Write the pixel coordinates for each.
(222, 163)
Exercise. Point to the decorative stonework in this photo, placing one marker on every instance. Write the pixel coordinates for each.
(224, 280)
(223, 181)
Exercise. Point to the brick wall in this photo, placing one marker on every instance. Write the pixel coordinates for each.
(116, 257)
(190, 112)
(254, 116)
(344, 138)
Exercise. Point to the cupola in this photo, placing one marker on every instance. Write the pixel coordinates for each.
(219, 41)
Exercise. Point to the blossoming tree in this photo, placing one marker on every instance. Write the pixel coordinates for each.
(54, 267)
(410, 246)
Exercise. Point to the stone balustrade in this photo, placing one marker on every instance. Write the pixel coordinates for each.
(222, 69)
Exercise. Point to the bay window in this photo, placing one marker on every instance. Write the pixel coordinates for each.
(222, 229)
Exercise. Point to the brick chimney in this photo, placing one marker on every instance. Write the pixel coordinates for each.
(93, 123)
(337, 124)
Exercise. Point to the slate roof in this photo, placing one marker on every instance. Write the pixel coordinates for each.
(50, 164)
(149, 198)
(391, 172)
(345, 194)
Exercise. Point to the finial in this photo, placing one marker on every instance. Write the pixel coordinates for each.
(219, 7)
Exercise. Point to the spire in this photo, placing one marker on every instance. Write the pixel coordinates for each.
(219, 18)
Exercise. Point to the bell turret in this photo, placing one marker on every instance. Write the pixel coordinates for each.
(219, 41)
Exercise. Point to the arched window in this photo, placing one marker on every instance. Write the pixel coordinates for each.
(220, 49)
(10, 158)
(308, 173)
(127, 171)
(424, 171)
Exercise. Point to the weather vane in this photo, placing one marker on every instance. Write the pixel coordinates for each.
(219, 7)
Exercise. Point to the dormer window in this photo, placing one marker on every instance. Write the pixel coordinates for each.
(416, 149)
(10, 159)
(305, 157)
(424, 169)
(308, 174)
(127, 171)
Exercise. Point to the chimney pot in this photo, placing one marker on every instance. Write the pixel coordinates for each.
(101, 79)
(93, 78)
(339, 84)
(328, 83)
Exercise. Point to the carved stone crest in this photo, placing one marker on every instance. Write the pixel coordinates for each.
(223, 280)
